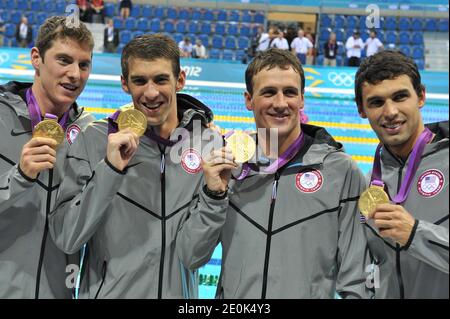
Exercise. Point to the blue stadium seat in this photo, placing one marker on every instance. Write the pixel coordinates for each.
(443, 25)
(48, 6)
(142, 24)
(220, 28)
(214, 54)
(22, 5)
(41, 17)
(417, 24)
(247, 17)
(431, 25)
(208, 15)
(232, 28)
(341, 49)
(405, 49)
(404, 24)
(417, 38)
(192, 37)
(10, 30)
(120, 48)
(181, 26)
(155, 25)
(169, 26)
(136, 11)
(404, 37)
(319, 59)
(339, 60)
(340, 35)
(230, 42)
(222, 15)
(391, 37)
(184, 14)
(130, 23)
(16, 17)
(418, 52)
(245, 30)
(365, 35)
(147, 11)
(234, 15)
(339, 21)
(205, 39)
(390, 23)
(193, 27)
(196, 14)
(159, 12)
(420, 63)
(259, 17)
(205, 27)
(7, 42)
(243, 42)
(324, 34)
(10, 5)
(137, 33)
(125, 36)
(177, 37)
(118, 23)
(362, 22)
(240, 55)
(2, 4)
(5, 16)
(171, 13)
(255, 29)
(228, 55)
(31, 16)
(352, 22)
(217, 41)
(381, 36)
(110, 9)
(325, 21)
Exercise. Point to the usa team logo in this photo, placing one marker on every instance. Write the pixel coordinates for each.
(309, 182)
(430, 183)
(72, 133)
(191, 161)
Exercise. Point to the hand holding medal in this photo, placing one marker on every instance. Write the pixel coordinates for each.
(133, 119)
(370, 198)
(242, 146)
(49, 128)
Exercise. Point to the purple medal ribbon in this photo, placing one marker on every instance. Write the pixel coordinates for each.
(280, 162)
(113, 128)
(415, 158)
(35, 112)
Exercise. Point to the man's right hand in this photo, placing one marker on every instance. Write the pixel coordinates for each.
(121, 148)
(37, 155)
(217, 168)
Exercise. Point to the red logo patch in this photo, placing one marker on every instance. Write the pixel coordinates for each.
(309, 181)
(430, 183)
(72, 133)
(191, 161)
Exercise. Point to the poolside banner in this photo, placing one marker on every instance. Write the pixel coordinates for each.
(15, 62)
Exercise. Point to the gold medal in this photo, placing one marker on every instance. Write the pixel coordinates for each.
(51, 129)
(370, 198)
(134, 120)
(242, 146)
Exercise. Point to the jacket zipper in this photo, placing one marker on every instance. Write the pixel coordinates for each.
(44, 236)
(163, 222)
(103, 279)
(269, 235)
(398, 248)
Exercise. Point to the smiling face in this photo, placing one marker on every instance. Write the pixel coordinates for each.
(61, 74)
(153, 88)
(393, 110)
(276, 101)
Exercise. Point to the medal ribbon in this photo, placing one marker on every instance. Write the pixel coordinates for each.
(113, 128)
(280, 162)
(414, 161)
(35, 112)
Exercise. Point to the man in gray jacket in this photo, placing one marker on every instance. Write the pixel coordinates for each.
(126, 196)
(289, 224)
(408, 236)
(31, 266)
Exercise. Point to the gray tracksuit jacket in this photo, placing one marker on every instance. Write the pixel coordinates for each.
(292, 234)
(30, 263)
(130, 219)
(420, 268)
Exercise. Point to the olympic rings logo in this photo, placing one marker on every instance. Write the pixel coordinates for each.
(341, 79)
(4, 57)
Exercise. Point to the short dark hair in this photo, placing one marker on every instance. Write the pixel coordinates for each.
(56, 27)
(151, 47)
(386, 65)
(270, 59)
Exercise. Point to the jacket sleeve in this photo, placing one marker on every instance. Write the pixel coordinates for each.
(429, 243)
(83, 197)
(353, 256)
(199, 233)
(13, 186)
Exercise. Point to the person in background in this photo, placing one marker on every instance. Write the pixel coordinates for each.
(354, 45)
(85, 10)
(110, 38)
(98, 12)
(31, 266)
(408, 236)
(279, 41)
(330, 50)
(185, 47)
(125, 8)
(199, 50)
(373, 44)
(24, 33)
(301, 47)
